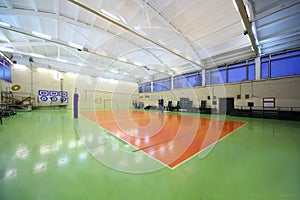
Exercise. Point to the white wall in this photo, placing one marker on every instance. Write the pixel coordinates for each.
(104, 93)
(93, 92)
(285, 91)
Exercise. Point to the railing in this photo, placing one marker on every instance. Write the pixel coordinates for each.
(278, 112)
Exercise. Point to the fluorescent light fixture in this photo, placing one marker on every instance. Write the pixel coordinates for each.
(41, 35)
(125, 74)
(176, 51)
(138, 64)
(81, 64)
(99, 68)
(198, 62)
(42, 69)
(248, 37)
(142, 32)
(113, 80)
(161, 42)
(243, 24)
(147, 78)
(6, 49)
(256, 41)
(20, 67)
(122, 59)
(103, 53)
(61, 60)
(36, 55)
(136, 76)
(77, 46)
(188, 57)
(114, 71)
(71, 74)
(108, 14)
(137, 29)
(235, 6)
(5, 24)
(125, 22)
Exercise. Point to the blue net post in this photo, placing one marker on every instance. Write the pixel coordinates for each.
(75, 104)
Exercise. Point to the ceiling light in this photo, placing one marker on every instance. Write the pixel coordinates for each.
(138, 64)
(176, 51)
(125, 22)
(81, 64)
(101, 53)
(6, 49)
(71, 74)
(235, 6)
(125, 74)
(99, 68)
(122, 59)
(188, 57)
(161, 42)
(77, 46)
(243, 24)
(5, 24)
(61, 60)
(42, 69)
(114, 71)
(108, 14)
(137, 29)
(41, 35)
(20, 67)
(36, 55)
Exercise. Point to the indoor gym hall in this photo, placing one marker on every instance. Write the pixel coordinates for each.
(82, 84)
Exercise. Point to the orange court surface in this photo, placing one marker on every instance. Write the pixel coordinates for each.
(169, 138)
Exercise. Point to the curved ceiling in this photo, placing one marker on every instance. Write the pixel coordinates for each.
(140, 40)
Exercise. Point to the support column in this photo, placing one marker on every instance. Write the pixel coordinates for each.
(151, 86)
(203, 77)
(257, 68)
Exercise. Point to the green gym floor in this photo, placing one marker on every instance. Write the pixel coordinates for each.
(42, 157)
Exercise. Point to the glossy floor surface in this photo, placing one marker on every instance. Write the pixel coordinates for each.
(43, 156)
(168, 138)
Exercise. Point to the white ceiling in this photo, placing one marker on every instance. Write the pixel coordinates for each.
(157, 38)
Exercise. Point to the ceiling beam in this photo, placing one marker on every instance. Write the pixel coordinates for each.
(164, 17)
(26, 44)
(130, 30)
(247, 24)
(275, 10)
(8, 4)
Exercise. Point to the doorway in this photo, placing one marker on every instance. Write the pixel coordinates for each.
(226, 105)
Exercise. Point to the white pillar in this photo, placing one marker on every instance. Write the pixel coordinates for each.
(203, 77)
(257, 68)
(151, 86)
